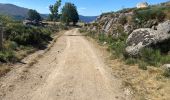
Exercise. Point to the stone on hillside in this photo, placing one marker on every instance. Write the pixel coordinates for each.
(145, 37)
(128, 28)
(150, 24)
(107, 25)
(164, 27)
(139, 39)
(166, 67)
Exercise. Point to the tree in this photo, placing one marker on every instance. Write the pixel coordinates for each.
(54, 10)
(69, 14)
(34, 15)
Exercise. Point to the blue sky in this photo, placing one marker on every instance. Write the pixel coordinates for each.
(85, 7)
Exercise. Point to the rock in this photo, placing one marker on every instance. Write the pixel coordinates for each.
(107, 26)
(150, 23)
(145, 37)
(139, 39)
(164, 27)
(104, 43)
(166, 67)
(128, 28)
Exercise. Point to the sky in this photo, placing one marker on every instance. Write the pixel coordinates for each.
(85, 7)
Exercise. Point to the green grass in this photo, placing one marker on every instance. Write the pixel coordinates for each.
(142, 65)
(131, 61)
(166, 73)
(18, 35)
(7, 56)
(147, 56)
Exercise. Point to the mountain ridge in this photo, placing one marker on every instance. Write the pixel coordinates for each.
(20, 13)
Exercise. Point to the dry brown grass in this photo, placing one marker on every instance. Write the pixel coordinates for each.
(3, 70)
(147, 85)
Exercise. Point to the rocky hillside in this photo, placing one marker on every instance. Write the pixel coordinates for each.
(144, 27)
(140, 38)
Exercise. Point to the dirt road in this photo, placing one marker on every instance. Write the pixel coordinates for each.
(71, 70)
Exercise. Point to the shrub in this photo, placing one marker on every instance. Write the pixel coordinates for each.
(7, 55)
(166, 73)
(63, 27)
(11, 45)
(27, 35)
(149, 13)
(82, 30)
(123, 20)
(142, 65)
(116, 44)
(152, 57)
(102, 37)
(131, 61)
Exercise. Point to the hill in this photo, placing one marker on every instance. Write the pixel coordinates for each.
(13, 10)
(20, 13)
(87, 19)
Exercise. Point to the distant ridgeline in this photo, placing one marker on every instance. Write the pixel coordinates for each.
(20, 13)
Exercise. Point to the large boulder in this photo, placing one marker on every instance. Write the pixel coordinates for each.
(164, 28)
(145, 37)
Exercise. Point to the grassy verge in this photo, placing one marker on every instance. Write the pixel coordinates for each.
(151, 56)
(147, 83)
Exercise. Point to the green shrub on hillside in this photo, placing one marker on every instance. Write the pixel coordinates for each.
(166, 73)
(116, 44)
(153, 56)
(17, 35)
(150, 13)
(27, 35)
(123, 20)
(142, 65)
(7, 56)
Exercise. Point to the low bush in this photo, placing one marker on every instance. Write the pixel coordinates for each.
(7, 56)
(123, 20)
(116, 44)
(152, 57)
(17, 35)
(166, 73)
(131, 61)
(27, 35)
(150, 13)
(142, 65)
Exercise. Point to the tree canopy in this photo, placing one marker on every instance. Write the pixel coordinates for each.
(34, 15)
(54, 11)
(69, 14)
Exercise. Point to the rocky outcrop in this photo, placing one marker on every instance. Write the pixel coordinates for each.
(145, 37)
(128, 28)
(108, 23)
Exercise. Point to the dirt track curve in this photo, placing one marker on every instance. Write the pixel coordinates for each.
(70, 70)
